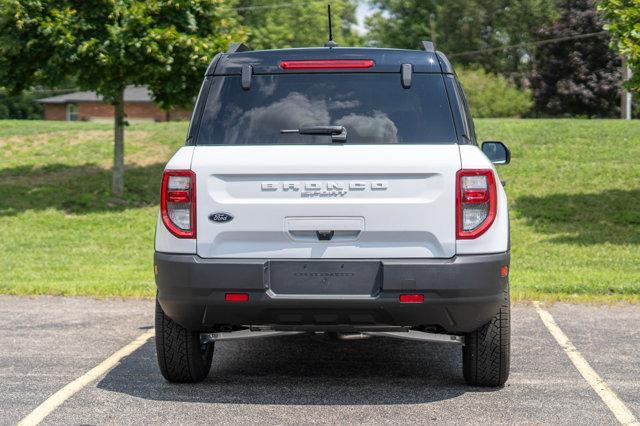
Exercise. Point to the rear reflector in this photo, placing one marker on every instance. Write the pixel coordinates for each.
(327, 64)
(236, 297)
(411, 298)
(504, 271)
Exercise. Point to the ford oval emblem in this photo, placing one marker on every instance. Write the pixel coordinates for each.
(220, 217)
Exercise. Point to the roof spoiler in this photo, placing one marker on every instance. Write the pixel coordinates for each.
(237, 47)
(445, 65)
(428, 46)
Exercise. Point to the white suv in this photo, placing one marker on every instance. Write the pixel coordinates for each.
(335, 190)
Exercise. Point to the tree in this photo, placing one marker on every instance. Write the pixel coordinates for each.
(401, 23)
(462, 25)
(276, 25)
(623, 23)
(107, 45)
(579, 76)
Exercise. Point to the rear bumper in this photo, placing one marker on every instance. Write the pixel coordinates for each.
(460, 294)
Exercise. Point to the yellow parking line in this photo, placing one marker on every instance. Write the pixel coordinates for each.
(608, 396)
(55, 400)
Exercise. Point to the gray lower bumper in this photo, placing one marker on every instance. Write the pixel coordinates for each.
(460, 294)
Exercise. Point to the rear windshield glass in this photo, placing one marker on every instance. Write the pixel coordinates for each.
(373, 108)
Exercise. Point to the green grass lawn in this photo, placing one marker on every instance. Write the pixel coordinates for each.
(573, 187)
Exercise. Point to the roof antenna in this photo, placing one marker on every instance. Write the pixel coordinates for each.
(330, 43)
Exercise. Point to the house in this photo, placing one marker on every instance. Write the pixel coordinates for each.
(89, 106)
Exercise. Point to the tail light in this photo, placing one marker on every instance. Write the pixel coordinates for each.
(178, 202)
(475, 202)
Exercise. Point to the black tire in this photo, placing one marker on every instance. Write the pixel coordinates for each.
(181, 356)
(486, 353)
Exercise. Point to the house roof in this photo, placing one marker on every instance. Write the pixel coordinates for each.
(131, 94)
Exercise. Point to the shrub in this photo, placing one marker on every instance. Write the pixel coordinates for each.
(492, 95)
(23, 106)
(580, 77)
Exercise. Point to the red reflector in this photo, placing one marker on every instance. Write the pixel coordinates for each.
(327, 64)
(475, 196)
(504, 271)
(411, 298)
(178, 196)
(236, 297)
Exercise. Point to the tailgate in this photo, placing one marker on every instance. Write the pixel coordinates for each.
(326, 201)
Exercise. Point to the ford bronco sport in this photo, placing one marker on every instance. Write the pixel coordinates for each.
(336, 190)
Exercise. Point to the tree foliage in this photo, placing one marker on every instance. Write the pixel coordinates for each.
(492, 95)
(461, 26)
(400, 23)
(276, 25)
(623, 23)
(580, 76)
(109, 44)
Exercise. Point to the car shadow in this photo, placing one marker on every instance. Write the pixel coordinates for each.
(610, 216)
(304, 370)
(79, 189)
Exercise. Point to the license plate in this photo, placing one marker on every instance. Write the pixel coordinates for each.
(325, 277)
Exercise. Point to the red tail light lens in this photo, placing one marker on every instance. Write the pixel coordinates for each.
(178, 202)
(178, 196)
(475, 196)
(327, 64)
(475, 202)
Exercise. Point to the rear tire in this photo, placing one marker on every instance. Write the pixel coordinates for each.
(181, 356)
(487, 351)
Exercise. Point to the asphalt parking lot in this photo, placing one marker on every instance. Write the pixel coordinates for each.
(47, 342)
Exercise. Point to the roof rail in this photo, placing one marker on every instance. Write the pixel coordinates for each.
(237, 47)
(428, 46)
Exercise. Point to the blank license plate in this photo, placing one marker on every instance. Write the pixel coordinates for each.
(325, 277)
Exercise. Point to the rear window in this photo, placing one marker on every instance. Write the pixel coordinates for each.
(373, 108)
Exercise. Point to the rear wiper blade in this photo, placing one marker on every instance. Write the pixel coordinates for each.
(338, 133)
